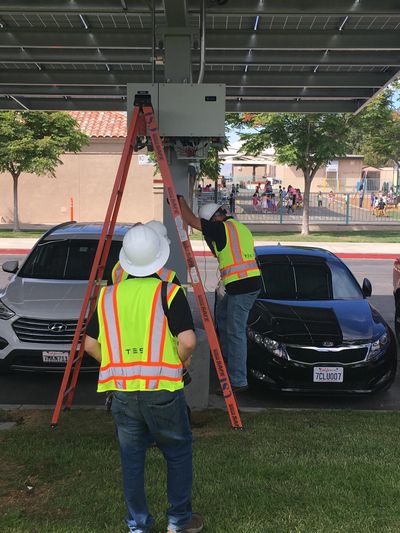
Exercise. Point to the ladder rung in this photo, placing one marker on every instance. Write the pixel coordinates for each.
(68, 391)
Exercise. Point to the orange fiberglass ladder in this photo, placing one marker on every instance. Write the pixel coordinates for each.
(143, 123)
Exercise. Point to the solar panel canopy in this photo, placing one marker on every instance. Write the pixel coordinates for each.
(272, 55)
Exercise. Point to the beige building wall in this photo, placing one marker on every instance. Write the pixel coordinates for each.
(349, 173)
(88, 178)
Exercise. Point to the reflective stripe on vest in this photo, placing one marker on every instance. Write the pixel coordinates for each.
(157, 360)
(118, 273)
(166, 274)
(238, 267)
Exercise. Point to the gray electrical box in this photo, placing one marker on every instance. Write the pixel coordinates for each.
(184, 110)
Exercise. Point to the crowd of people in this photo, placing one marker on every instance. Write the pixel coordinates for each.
(266, 200)
(381, 200)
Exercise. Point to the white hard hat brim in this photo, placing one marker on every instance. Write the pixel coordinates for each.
(151, 268)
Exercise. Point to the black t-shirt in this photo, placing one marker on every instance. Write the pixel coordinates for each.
(215, 231)
(179, 316)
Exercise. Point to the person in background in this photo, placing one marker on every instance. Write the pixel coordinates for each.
(319, 199)
(256, 202)
(143, 370)
(232, 201)
(264, 202)
(233, 245)
(289, 203)
(372, 201)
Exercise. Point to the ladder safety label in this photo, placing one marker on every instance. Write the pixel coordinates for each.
(193, 275)
(181, 230)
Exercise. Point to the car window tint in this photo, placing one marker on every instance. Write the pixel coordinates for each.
(278, 281)
(69, 259)
(344, 285)
(299, 279)
(313, 282)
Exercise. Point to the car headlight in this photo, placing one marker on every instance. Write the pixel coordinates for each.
(378, 347)
(272, 346)
(5, 312)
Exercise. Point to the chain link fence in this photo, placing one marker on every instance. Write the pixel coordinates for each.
(337, 208)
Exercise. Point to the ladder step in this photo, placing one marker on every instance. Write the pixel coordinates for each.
(68, 391)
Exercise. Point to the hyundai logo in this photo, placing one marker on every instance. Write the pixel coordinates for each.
(57, 328)
(327, 344)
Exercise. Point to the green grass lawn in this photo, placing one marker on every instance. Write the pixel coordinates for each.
(26, 234)
(287, 472)
(321, 236)
(331, 236)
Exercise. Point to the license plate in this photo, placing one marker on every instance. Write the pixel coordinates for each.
(328, 374)
(55, 357)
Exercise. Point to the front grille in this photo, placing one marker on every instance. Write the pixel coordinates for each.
(38, 331)
(310, 356)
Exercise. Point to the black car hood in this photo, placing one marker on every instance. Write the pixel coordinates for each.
(317, 323)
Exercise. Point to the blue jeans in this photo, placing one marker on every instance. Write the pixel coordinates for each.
(232, 314)
(160, 416)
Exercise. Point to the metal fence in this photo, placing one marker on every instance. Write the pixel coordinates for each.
(329, 208)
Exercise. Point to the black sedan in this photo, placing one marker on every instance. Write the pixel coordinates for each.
(312, 328)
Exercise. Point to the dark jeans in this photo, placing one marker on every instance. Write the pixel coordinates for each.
(232, 314)
(160, 416)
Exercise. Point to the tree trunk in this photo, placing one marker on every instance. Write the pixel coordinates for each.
(15, 193)
(305, 229)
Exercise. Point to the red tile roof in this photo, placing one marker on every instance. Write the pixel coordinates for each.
(101, 123)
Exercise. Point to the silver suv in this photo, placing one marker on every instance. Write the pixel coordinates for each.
(40, 307)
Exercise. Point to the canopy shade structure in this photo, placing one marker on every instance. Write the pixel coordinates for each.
(273, 55)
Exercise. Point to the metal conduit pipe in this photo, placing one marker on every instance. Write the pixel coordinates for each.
(202, 41)
(153, 44)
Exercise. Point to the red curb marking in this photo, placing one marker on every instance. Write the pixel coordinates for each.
(350, 255)
(13, 251)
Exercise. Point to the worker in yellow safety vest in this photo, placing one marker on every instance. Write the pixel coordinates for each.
(143, 336)
(232, 244)
(166, 274)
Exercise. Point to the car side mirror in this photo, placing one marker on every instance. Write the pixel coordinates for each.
(367, 287)
(10, 266)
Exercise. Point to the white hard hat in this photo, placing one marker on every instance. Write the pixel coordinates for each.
(159, 228)
(207, 211)
(143, 251)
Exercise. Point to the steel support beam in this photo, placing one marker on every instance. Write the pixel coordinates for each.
(232, 93)
(293, 106)
(233, 7)
(236, 79)
(213, 57)
(216, 40)
(99, 104)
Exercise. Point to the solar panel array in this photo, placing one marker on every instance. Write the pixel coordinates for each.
(273, 55)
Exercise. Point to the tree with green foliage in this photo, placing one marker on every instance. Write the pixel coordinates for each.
(33, 141)
(305, 141)
(210, 167)
(376, 132)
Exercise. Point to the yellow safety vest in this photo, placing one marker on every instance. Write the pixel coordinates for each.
(237, 260)
(138, 351)
(118, 274)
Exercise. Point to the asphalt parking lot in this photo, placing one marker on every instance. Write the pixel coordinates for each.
(41, 389)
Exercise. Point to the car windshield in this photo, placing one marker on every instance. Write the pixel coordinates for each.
(306, 278)
(66, 259)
